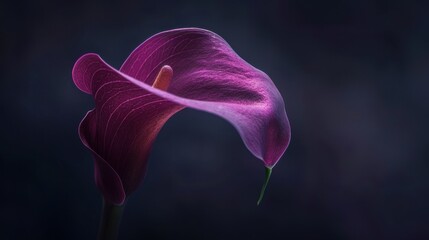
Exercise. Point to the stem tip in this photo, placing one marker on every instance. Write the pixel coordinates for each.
(267, 178)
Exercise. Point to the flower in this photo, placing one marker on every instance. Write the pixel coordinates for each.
(180, 68)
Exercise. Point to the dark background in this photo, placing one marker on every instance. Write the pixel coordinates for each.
(354, 76)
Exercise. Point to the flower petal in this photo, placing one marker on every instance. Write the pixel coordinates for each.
(207, 69)
(106, 178)
(128, 119)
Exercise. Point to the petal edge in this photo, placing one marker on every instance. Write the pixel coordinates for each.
(106, 178)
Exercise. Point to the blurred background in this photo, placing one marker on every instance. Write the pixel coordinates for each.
(354, 76)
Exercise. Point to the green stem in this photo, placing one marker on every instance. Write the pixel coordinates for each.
(267, 178)
(110, 219)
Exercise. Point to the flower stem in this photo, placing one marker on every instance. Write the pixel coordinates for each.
(267, 178)
(110, 219)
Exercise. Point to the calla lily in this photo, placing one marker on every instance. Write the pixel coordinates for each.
(180, 68)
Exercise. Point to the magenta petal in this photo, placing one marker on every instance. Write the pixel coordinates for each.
(106, 178)
(208, 76)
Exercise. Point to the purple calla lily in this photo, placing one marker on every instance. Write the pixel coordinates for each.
(172, 70)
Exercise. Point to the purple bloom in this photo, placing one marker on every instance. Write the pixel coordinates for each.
(172, 70)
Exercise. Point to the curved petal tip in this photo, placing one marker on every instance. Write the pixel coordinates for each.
(83, 65)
